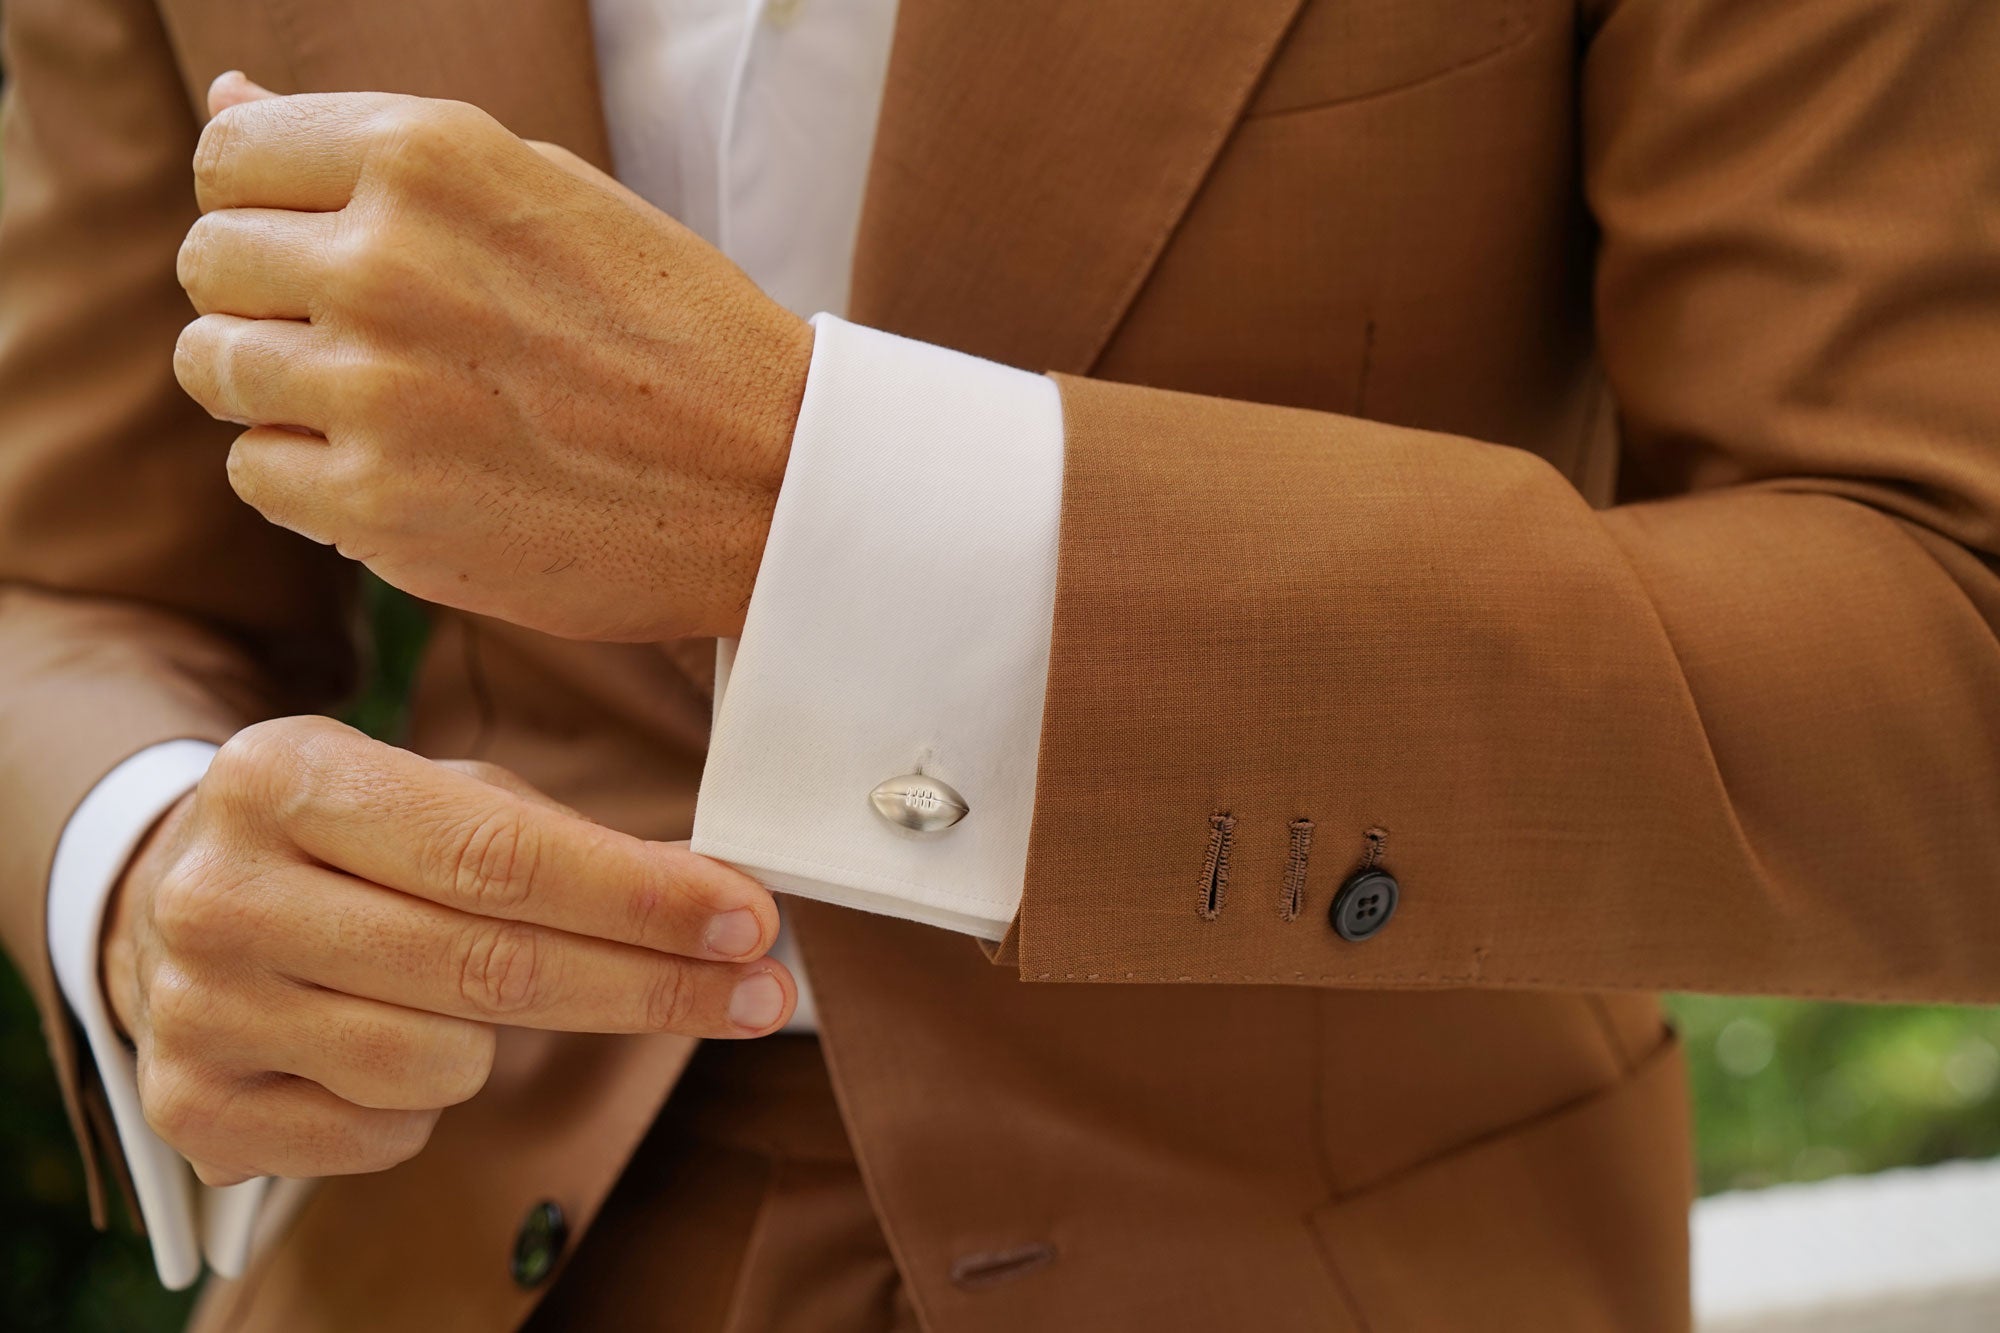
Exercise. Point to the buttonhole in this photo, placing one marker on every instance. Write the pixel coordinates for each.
(1215, 865)
(977, 1272)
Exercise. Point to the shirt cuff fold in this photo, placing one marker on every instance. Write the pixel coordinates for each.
(900, 625)
(96, 844)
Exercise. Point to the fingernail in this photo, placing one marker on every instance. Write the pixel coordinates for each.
(734, 934)
(757, 1002)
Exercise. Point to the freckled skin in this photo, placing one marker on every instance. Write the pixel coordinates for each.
(313, 950)
(542, 398)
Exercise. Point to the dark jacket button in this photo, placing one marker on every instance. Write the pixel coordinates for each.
(538, 1244)
(1364, 905)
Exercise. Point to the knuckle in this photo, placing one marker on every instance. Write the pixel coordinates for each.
(276, 770)
(669, 999)
(170, 1096)
(408, 139)
(494, 862)
(247, 768)
(177, 1006)
(382, 290)
(191, 263)
(372, 506)
(316, 755)
(244, 476)
(218, 1177)
(213, 152)
(368, 268)
(401, 1136)
(465, 1071)
(443, 123)
(418, 141)
(194, 359)
(500, 968)
(649, 911)
(256, 752)
(185, 905)
(319, 746)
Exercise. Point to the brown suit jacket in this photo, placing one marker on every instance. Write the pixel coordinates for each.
(1561, 436)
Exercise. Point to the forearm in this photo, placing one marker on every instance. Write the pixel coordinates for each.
(1730, 741)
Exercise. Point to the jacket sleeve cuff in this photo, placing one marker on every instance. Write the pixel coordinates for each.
(900, 625)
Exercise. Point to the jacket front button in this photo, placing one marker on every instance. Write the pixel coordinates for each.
(538, 1244)
(1364, 905)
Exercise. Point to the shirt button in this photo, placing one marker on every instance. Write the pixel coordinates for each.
(919, 803)
(538, 1244)
(1364, 905)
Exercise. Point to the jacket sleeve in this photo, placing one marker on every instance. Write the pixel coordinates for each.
(139, 600)
(1739, 732)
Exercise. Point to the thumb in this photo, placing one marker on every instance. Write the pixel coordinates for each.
(233, 89)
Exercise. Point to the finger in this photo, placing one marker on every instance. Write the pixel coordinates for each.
(279, 1126)
(290, 478)
(507, 780)
(258, 372)
(334, 931)
(302, 152)
(260, 263)
(363, 1051)
(233, 88)
(389, 816)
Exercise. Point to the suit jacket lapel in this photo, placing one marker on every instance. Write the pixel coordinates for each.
(531, 63)
(1033, 157)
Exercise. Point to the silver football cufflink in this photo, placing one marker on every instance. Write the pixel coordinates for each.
(921, 804)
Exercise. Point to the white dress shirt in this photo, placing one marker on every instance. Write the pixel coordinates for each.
(901, 617)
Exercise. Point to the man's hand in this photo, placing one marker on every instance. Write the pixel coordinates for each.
(482, 367)
(312, 949)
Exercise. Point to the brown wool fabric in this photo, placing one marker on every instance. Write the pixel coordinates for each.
(742, 1211)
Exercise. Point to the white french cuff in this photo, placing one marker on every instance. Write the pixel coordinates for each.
(98, 840)
(900, 626)
(186, 1221)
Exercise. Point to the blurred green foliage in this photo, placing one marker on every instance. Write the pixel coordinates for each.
(1789, 1090)
(1783, 1090)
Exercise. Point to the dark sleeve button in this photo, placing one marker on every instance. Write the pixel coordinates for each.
(1364, 905)
(538, 1244)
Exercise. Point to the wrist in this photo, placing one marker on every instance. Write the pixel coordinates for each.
(782, 385)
